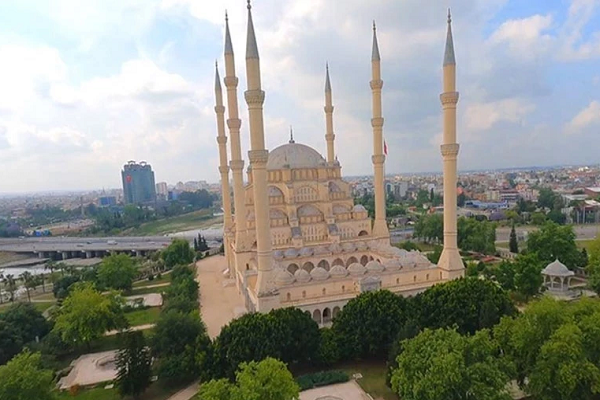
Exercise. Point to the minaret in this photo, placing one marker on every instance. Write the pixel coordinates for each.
(329, 135)
(380, 229)
(450, 261)
(234, 123)
(223, 167)
(258, 156)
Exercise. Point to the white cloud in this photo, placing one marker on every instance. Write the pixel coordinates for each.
(484, 116)
(525, 37)
(589, 116)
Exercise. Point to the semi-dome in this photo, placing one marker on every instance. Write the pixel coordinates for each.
(361, 246)
(291, 253)
(294, 155)
(374, 266)
(284, 278)
(335, 248)
(392, 265)
(321, 250)
(357, 269)
(302, 276)
(337, 271)
(319, 274)
(306, 251)
(278, 254)
(348, 247)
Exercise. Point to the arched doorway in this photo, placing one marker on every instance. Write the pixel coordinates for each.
(363, 233)
(351, 261)
(308, 266)
(292, 268)
(326, 315)
(338, 261)
(316, 315)
(364, 260)
(336, 311)
(323, 264)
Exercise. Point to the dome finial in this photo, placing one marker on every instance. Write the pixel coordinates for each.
(226, 16)
(449, 58)
(375, 51)
(327, 81)
(291, 135)
(249, 5)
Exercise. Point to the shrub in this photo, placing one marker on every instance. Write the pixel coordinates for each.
(323, 378)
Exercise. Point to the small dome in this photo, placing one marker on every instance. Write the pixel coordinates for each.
(373, 245)
(348, 247)
(306, 251)
(278, 254)
(335, 248)
(421, 260)
(319, 274)
(302, 276)
(361, 246)
(359, 208)
(357, 269)
(374, 266)
(294, 155)
(284, 278)
(321, 250)
(407, 262)
(338, 271)
(392, 265)
(556, 268)
(291, 253)
(400, 252)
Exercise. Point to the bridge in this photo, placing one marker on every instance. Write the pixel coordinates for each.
(62, 248)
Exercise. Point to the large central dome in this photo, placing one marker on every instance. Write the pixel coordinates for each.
(294, 156)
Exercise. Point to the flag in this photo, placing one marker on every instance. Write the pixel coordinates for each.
(384, 148)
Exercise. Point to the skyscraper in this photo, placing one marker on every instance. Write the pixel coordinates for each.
(138, 183)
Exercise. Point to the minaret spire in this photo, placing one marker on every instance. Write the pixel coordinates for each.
(237, 163)
(329, 135)
(265, 286)
(223, 166)
(292, 135)
(380, 229)
(450, 262)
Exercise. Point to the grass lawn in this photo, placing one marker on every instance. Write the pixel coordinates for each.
(373, 378)
(584, 244)
(156, 391)
(165, 278)
(41, 307)
(194, 220)
(143, 317)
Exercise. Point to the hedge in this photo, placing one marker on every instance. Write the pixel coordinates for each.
(323, 378)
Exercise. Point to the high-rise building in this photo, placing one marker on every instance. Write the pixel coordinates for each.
(138, 183)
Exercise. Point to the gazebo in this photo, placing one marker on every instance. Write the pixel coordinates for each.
(556, 274)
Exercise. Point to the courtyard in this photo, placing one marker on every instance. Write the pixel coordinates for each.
(220, 301)
(342, 391)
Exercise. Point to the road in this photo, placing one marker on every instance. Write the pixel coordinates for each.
(58, 244)
(583, 232)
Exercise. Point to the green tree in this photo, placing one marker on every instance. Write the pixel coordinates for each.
(430, 228)
(528, 275)
(538, 218)
(86, 314)
(504, 274)
(369, 323)
(10, 284)
(179, 252)
(553, 242)
(27, 320)
(268, 379)
(117, 271)
(513, 245)
(546, 198)
(182, 346)
(134, 365)
(562, 371)
(24, 379)
(29, 282)
(11, 342)
(441, 364)
(470, 304)
(474, 235)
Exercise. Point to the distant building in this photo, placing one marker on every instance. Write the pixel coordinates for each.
(107, 201)
(138, 183)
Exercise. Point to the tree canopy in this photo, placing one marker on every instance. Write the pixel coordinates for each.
(117, 271)
(552, 242)
(134, 368)
(86, 314)
(178, 252)
(24, 379)
(441, 364)
(369, 323)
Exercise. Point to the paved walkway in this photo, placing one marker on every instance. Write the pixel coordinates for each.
(90, 369)
(347, 391)
(219, 304)
(187, 393)
(133, 328)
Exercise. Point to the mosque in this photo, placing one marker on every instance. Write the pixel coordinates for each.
(296, 237)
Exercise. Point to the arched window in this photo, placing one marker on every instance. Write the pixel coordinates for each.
(364, 260)
(343, 288)
(414, 278)
(324, 291)
(397, 281)
(323, 264)
(326, 315)
(292, 268)
(304, 294)
(350, 261)
(289, 296)
(317, 316)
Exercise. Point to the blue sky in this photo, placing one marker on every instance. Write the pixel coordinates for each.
(87, 86)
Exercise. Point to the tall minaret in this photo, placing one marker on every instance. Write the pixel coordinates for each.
(329, 135)
(258, 156)
(223, 167)
(450, 261)
(380, 229)
(234, 123)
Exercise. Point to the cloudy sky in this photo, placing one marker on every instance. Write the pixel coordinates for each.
(87, 85)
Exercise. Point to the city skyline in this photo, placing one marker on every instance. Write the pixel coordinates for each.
(81, 102)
